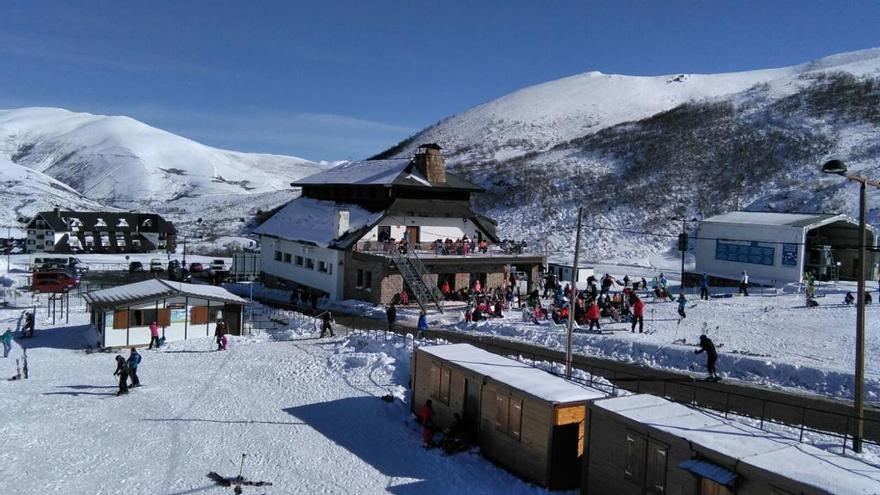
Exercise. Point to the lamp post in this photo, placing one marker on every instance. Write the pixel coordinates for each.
(839, 168)
(683, 245)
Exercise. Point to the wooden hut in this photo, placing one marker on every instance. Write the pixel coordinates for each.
(524, 419)
(643, 444)
(122, 315)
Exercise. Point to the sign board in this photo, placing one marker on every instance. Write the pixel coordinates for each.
(789, 254)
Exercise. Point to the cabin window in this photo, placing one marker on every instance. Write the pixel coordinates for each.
(322, 267)
(646, 463)
(287, 257)
(277, 255)
(440, 380)
(709, 487)
(508, 415)
(142, 317)
(360, 278)
(310, 264)
(299, 261)
(368, 280)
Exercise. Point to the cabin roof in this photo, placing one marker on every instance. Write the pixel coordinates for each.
(775, 219)
(513, 373)
(747, 444)
(157, 289)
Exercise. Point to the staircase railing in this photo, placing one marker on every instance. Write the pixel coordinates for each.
(422, 271)
(414, 280)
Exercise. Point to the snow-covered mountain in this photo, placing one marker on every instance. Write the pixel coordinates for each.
(122, 163)
(637, 150)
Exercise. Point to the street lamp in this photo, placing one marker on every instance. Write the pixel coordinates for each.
(683, 245)
(839, 168)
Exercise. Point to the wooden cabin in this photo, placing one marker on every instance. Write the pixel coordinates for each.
(643, 444)
(122, 315)
(523, 419)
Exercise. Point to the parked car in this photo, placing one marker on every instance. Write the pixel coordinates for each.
(53, 281)
(196, 268)
(218, 266)
(135, 267)
(156, 265)
(178, 273)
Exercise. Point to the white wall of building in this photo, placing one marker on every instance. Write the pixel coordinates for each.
(431, 228)
(289, 267)
(180, 328)
(780, 238)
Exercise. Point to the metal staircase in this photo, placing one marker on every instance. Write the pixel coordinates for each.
(413, 271)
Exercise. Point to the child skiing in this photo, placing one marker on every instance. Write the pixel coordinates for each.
(423, 323)
(327, 324)
(122, 373)
(638, 313)
(7, 341)
(708, 346)
(593, 316)
(133, 361)
(682, 301)
(704, 287)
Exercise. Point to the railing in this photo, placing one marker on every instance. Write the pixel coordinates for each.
(434, 249)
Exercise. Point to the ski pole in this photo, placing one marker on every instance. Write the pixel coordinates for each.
(241, 467)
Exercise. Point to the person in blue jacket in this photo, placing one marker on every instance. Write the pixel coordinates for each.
(704, 287)
(7, 341)
(134, 359)
(423, 322)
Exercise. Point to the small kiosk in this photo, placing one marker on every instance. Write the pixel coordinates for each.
(524, 419)
(122, 315)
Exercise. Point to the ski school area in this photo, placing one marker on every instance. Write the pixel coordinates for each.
(337, 415)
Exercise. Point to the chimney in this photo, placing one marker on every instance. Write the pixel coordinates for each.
(341, 223)
(431, 164)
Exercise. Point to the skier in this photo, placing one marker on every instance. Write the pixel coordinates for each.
(708, 346)
(744, 284)
(391, 316)
(682, 301)
(7, 341)
(593, 315)
(704, 287)
(423, 322)
(122, 373)
(848, 299)
(219, 332)
(327, 324)
(154, 335)
(223, 342)
(638, 311)
(133, 361)
(28, 325)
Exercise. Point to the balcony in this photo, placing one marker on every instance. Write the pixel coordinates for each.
(433, 250)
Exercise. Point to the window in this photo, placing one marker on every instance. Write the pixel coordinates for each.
(645, 463)
(50, 232)
(41, 237)
(277, 255)
(368, 280)
(310, 264)
(299, 261)
(142, 317)
(360, 278)
(440, 380)
(322, 267)
(745, 253)
(287, 257)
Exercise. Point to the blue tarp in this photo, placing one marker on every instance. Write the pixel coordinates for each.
(711, 471)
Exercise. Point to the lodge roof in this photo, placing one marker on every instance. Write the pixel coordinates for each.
(153, 289)
(400, 172)
(109, 220)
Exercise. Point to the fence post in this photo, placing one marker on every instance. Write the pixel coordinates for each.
(763, 407)
(803, 418)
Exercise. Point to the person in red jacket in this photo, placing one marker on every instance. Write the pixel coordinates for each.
(426, 418)
(445, 289)
(638, 310)
(593, 315)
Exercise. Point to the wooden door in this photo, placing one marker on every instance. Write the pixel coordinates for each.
(471, 413)
(565, 463)
(412, 235)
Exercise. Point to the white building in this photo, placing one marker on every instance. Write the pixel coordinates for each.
(776, 248)
(122, 315)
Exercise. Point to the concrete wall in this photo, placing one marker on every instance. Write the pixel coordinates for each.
(707, 234)
(330, 282)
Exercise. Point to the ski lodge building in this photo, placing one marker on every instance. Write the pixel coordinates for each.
(343, 236)
(60, 231)
(776, 248)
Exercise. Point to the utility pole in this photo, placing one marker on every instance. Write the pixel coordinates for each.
(573, 294)
(683, 245)
(860, 322)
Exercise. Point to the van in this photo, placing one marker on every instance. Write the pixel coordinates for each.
(156, 265)
(53, 262)
(54, 281)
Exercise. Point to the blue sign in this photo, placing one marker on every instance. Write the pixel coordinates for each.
(790, 254)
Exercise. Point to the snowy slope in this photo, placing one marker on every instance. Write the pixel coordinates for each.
(24, 192)
(636, 150)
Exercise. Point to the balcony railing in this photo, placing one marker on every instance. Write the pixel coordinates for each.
(434, 249)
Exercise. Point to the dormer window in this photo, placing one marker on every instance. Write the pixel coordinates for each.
(147, 223)
(100, 222)
(122, 223)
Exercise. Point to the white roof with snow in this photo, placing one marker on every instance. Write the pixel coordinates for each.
(313, 221)
(362, 172)
(157, 289)
(775, 219)
(513, 373)
(750, 445)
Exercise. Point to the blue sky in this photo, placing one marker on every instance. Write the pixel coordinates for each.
(338, 80)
